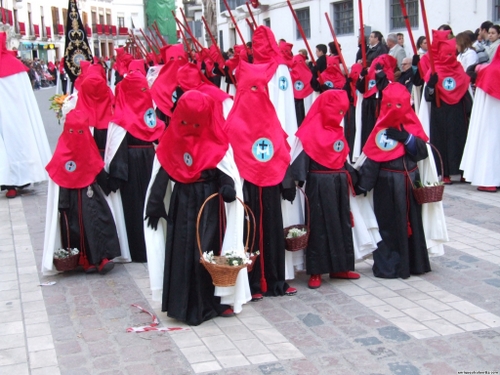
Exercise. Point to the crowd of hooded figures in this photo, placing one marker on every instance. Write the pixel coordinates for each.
(137, 160)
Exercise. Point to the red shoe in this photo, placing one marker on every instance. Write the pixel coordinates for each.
(87, 267)
(344, 275)
(11, 193)
(291, 291)
(106, 266)
(314, 282)
(227, 313)
(257, 297)
(489, 189)
(462, 179)
(447, 180)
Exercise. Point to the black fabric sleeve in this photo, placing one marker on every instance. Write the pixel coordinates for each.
(419, 149)
(368, 174)
(300, 167)
(288, 181)
(353, 172)
(224, 179)
(429, 94)
(63, 199)
(118, 168)
(155, 206)
(360, 85)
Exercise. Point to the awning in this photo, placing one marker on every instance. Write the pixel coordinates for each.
(22, 28)
(48, 31)
(60, 29)
(36, 30)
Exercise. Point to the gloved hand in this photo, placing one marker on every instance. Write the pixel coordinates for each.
(415, 60)
(397, 135)
(379, 67)
(152, 222)
(227, 193)
(432, 81)
(289, 194)
(381, 80)
(359, 190)
(363, 72)
(301, 183)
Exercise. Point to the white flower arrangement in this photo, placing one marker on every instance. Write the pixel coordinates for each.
(65, 253)
(209, 257)
(296, 232)
(235, 260)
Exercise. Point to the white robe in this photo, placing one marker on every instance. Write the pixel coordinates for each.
(233, 240)
(24, 148)
(281, 95)
(481, 159)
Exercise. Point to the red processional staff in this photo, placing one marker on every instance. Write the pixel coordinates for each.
(251, 15)
(408, 28)
(236, 26)
(429, 47)
(301, 31)
(155, 27)
(363, 40)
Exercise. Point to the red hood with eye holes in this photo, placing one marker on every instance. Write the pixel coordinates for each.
(194, 140)
(76, 161)
(395, 111)
(321, 134)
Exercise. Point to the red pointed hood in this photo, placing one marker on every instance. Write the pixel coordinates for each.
(137, 64)
(395, 110)
(301, 77)
(84, 68)
(96, 99)
(488, 78)
(134, 108)
(261, 150)
(332, 76)
(194, 140)
(9, 64)
(163, 88)
(122, 60)
(453, 82)
(264, 46)
(388, 63)
(190, 77)
(321, 134)
(76, 161)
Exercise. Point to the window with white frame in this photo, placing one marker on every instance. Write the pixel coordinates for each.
(305, 22)
(343, 17)
(396, 15)
(496, 10)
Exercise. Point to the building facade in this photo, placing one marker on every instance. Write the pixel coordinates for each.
(36, 27)
(381, 15)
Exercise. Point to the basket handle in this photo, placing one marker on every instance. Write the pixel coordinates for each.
(251, 214)
(198, 239)
(440, 160)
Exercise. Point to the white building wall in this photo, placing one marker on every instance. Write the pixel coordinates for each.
(460, 14)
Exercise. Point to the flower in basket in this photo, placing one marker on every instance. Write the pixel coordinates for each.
(65, 253)
(209, 257)
(296, 232)
(234, 259)
(420, 184)
(56, 103)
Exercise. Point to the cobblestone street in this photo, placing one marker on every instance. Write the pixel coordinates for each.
(440, 323)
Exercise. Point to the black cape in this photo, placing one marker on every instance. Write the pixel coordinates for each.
(130, 171)
(188, 291)
(85, 212)
(399, 254)
(330, 247)
(449, 125)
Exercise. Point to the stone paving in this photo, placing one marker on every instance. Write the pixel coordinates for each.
(439, 323)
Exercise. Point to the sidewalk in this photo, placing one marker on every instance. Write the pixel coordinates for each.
(440, 323)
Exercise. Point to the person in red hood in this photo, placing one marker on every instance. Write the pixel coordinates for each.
(449, 122)
(330, 182)
(371, 83)
(393, 149)
(85, 219)
(24, 148)
(190, 154)
(130, 152)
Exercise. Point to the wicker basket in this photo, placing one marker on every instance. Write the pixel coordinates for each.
(298, 243)
(429, 194)
(71, 262)
(222, 273)
(67, 264)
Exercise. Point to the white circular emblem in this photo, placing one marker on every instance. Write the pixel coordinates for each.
(263, 149)
(70, 166)
(174, 96)
(283, 83)
(384, 143)
(329, 84)
(371, 84)
(338, 146)
(188, 159)
(298, 85)
(449, 83)
(150, 118)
